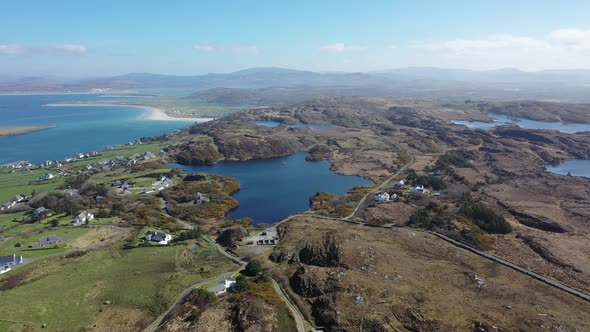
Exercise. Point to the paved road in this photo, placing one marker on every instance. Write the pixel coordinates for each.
(299, 320)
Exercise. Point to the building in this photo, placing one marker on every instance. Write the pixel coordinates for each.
(10, 260)
(82, 218)
(46, 176)
(222, 286)
(46, 241)
(160, 237)
(7, 205)
(40, 212)
(399, 184)
(384, 197)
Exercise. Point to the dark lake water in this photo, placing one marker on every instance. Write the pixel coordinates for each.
(527, 124)
(273, 124)
(77, 129)
(274, 188)
(576, 167)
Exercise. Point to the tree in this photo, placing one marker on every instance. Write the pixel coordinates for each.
(253, 268)
(55, 222)
(242, 284)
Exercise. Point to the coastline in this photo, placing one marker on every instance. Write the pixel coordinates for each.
(153, 114)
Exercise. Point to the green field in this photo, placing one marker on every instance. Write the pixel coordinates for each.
(29, 233)
(24, 182)
(69, 294)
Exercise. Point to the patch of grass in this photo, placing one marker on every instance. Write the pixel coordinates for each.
(69, 296)
(24, 182)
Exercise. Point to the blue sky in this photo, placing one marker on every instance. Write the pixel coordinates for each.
(97, 38)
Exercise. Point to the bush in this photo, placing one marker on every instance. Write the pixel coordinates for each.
(485, 218)
(242, 284)
(253, 268)
(451, 159)
(201, 297)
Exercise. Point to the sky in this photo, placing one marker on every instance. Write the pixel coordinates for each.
(102, 38)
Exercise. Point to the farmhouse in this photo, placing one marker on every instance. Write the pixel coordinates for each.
(46, 176)
(160, 237)
(82, 218)
(384, 197)
(40, 212)
(46, 241)
(222, 286)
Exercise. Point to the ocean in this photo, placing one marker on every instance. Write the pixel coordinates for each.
(76, 129)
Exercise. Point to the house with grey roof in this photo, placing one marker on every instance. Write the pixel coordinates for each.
(222, 286)
(46, 241)
(10, 260)
(160, 237)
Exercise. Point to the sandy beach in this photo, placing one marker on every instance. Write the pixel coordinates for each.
(153, 114)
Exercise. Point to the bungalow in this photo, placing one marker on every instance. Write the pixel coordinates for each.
(222, 286)
(40, 212)
(10, 260)
(384, 197)
(160, 237)
(46, 241)
(162, 178)
(7, 205)
(46, 176)
(399, 184)
(148, 190)
(20, 198)
(82, 218)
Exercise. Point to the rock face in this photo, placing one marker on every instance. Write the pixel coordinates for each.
(327, 255)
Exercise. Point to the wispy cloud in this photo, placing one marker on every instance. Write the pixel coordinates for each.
(488, 44)
(205, 47)
(341, 47)
(69, 48)
(248, 49)
(9, 49)
(16, 49)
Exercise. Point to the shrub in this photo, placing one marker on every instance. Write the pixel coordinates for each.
(485, 218)
(253, 268)
(201, 297)
(242, 284)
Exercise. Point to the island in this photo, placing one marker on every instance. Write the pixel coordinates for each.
(19, 130)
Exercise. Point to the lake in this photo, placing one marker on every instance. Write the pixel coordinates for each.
(526, 124)
(274, 188)
(575, 167)
(77, 129)
(273, 124)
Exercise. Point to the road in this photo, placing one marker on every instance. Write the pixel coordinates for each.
(377, 188)
(158, 322)
(299, 320)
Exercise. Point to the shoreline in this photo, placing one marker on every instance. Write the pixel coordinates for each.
(155, 114)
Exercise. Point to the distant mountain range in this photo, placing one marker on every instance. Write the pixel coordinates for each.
(381, 83)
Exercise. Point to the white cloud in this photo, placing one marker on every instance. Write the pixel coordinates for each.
(249, 49)
(561, 48)
(69, 48)
(341, 47)
(572, 38)
(14, 49)
(205, 47)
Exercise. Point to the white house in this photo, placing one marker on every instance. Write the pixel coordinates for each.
(82, 218)
(222, 286)
(160, 237)
(384, 197)
(46, 176)
(399, 184)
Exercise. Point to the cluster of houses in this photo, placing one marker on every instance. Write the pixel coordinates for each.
(13, 201)
(159, 237)
(162, 183)
(415, 190)
(123, 185)
(7, 262)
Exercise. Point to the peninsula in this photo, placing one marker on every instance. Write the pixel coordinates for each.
(19, 130)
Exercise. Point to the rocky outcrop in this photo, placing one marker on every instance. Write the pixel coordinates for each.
(230, 237)
(328, 254)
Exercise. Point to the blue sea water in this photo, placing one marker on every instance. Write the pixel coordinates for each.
(526, 124)
(274, 188)
(575, 167)
(76, 129)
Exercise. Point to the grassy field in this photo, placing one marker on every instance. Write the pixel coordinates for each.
(121, 151)
(29, 233)
(179, 107)
(69, 294)
(24, 182)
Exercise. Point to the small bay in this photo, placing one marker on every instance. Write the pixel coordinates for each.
(575, 167)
